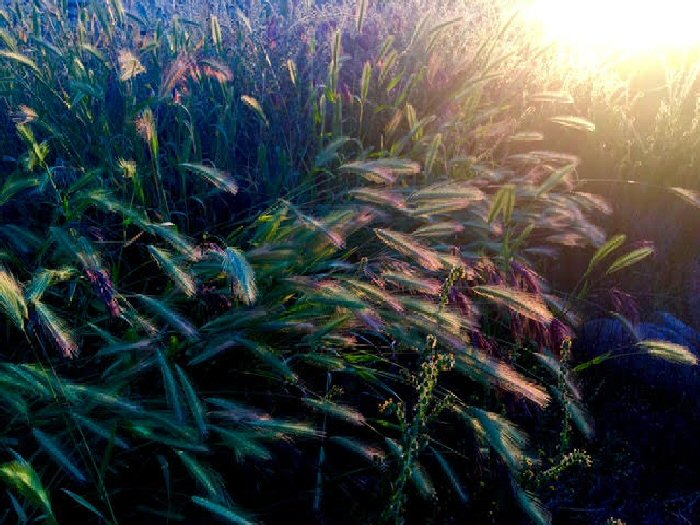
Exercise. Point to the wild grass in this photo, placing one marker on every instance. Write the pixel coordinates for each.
(642, 155)
(282, 259)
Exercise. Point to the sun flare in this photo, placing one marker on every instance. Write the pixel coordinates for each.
(634, 26)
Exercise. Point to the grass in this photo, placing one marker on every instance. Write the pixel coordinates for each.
(302, 246)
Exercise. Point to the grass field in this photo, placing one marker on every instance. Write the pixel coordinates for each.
(418, 261)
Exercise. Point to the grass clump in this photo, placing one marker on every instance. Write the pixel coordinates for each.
(295, 244)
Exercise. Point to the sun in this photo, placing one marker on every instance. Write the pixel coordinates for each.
(631, 26)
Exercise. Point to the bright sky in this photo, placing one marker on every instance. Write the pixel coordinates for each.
(635, 26)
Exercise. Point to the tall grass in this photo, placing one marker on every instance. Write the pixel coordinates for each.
(642, 156)
(294, 244)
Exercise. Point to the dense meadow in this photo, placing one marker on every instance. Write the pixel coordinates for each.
(343, 261)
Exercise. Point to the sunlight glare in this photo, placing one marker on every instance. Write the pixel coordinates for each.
(634, 26)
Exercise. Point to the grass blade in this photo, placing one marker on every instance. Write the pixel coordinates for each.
(226, 513)
(179, 276)
(169, 316)
(19, 58)
(241, 274)
(407, 246)
(532, 506)
(451, 476)
(12, 300)
(672, 352)
(56, 328)
(526, 304)
(253, 104)
(691, 197)
(340, 412)
(370, 453)
(504, 437)
(58, 455)
(205, 477)
(554, 179)
(84, 503)
(383, 170)
(172, 393)
(360, 12)
(610, 246)
(21, 476)
(577, 123)
(196, 407)
(629, 259)
(218, 178)
(503, 203)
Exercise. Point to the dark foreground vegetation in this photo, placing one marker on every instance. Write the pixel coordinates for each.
(341, 262)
